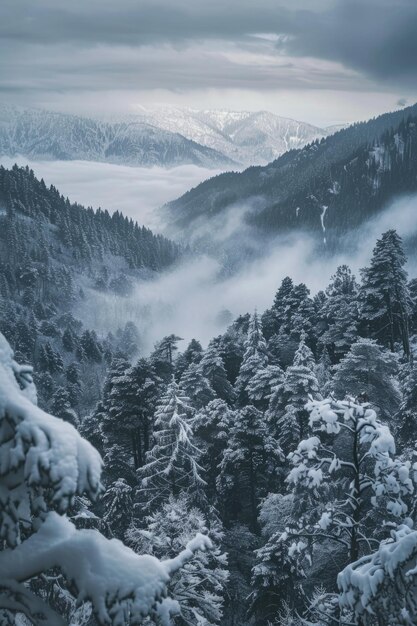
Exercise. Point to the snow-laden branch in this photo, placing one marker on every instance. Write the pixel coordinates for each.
(384, 584)
(44, 464)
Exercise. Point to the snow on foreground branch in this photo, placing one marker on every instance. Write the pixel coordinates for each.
(44, 464)
(383, 585)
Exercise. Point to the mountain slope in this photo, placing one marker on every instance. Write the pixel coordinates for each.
(247, 137)
(326, 188)
(47, 135)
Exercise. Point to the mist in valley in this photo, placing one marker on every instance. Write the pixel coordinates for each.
(201, 295)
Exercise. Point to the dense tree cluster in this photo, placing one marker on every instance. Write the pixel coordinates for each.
(52, 253)
(239, 435)
(276, 441)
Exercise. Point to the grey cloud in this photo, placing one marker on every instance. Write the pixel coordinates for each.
(52, 45)
(377, 37)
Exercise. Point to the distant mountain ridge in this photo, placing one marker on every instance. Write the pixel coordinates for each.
(247, 137)
(327, 188)
(40, 134)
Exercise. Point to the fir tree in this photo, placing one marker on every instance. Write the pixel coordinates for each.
(172, 463)
(118, 502)
(212, 368)
(286, 414)
(248, 465)
(196, 386)
(211, 426)
(368, 372)
(385, 296)
(201, 585)
(255, 358)
(340, 311)
(61, 406)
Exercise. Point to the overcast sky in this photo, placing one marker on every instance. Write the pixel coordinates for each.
(322, 61)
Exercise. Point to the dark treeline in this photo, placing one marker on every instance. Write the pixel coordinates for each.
(338, 182)
(51, 252)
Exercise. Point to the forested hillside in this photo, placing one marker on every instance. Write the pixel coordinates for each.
(41, 134)
(296, 492)
(289, 442)
(328, 188)
(51, 251)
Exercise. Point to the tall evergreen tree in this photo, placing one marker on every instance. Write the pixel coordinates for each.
(196, 386)
(248, 466)
(385, 295)
(340, 311)
(369, 372)
(212, 368)
(255, 358)
(287, 415)
(172, 463)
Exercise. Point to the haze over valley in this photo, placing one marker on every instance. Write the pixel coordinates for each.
(208, 313)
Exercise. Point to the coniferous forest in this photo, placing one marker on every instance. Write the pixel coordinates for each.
(268, 478)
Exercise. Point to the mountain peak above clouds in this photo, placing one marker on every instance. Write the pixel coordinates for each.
(248, 137)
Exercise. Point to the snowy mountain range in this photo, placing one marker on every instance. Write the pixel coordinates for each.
(328, 188)
(159, 136)
(41, 134)
(249, 138)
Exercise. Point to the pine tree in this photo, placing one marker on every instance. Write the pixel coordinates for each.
(196, 386)
(211, 426)
(340, 311)
(255, 358)
(286, 414)
(39, 483)
(212, 368)
(172, 463)
(61, 406)
(368, 372)
(385, 295)
(248, 465)
(163, 357)
(200, 586)
(263, 384)
(355, 486)
(118, 502)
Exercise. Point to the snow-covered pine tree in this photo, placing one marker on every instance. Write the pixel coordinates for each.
(248, 467)
(287, 415)
(406, 422)
(340, 311)
(355, 485)
(163, 356)
(381, 588)
(323, 369)
(369, 371)
(211, 426)
(200, 585)
(212, 368)
(261, 387)
(196, 386)
(45, 464)
(255, 358)
(172, 465)
(130, 401)
(118, 504)
(275, 576)
(385, 295)
(61, 406)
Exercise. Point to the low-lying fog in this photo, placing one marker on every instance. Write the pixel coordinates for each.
(192, 300)
(136, 191)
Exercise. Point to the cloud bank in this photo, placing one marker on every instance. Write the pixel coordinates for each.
(136, 191)
(189, 299)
